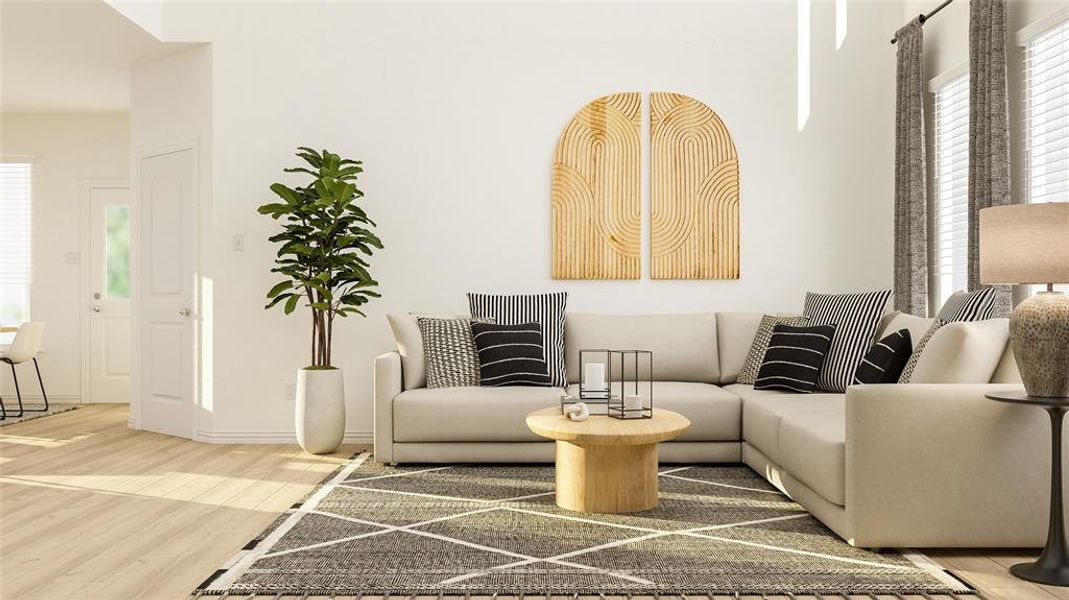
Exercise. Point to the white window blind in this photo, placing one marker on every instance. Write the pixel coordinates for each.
(15, 260)
(1046, 116)
(951, 186)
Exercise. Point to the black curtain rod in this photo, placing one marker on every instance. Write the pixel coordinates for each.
(923, 18)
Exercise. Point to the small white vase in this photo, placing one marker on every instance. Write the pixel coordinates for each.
(320, 412)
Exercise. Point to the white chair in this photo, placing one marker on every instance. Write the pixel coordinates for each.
(26, 345)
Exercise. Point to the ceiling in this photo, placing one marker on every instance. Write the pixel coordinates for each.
(70, 56)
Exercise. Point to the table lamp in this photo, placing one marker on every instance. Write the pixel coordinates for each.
(1029, 244)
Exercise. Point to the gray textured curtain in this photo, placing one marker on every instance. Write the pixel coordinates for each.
(911, 191)
(989, 135)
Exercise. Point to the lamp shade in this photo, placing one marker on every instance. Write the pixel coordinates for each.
(1025, 243)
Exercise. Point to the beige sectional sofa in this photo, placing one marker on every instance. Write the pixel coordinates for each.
(918, 465)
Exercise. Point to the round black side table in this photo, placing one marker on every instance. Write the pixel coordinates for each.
(1052, 568)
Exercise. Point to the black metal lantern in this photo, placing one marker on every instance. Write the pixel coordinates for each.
(620, 380)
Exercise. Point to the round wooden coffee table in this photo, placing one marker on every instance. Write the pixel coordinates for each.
(607, 465)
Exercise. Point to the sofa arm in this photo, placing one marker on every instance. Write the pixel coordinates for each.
(940, 465)
(387, 384)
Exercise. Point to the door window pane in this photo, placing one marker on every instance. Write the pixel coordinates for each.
(117, 251)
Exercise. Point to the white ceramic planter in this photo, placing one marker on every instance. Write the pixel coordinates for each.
(320, 413)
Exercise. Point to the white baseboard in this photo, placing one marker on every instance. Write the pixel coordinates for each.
(270, 437)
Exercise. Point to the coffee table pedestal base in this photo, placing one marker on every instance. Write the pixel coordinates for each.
(606, 479)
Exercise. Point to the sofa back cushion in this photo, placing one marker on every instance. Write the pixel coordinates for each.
(684, 346)
(963, 352)
(735, 333)
(897, 320)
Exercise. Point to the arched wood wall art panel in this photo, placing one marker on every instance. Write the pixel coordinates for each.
(694, 191)
(597, 220)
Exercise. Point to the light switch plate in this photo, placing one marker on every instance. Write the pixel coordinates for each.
(73, 258)
(238, 243)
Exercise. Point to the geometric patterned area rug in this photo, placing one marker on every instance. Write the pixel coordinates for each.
(372, 529)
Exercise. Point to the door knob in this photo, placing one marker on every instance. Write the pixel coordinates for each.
(185, 312)
(96, 308)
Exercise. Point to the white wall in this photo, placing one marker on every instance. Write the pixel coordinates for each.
(455, 109)
(68, 149)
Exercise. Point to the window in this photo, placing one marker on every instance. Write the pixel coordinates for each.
(15, 212)
(1046, 116)
(951, 162)
(117, 252)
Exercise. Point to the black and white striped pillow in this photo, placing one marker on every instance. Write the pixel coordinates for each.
(857, 320)
(794, 358)
(545, 309)
(884, 362)
(969, 306)
(510, 354)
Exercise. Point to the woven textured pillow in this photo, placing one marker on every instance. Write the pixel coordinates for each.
(545, 309)
(410, 345)
(884, 362)
(449, 352)
(760, 344)
(794, 357)
(510, 354)
(857, 320)
(915, 356)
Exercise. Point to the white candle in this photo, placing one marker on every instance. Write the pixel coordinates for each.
(632, 402)
(594, 377)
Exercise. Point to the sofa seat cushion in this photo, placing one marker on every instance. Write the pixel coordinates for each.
(715, 414)
(469, 414)
(812, 448)
(763, 412)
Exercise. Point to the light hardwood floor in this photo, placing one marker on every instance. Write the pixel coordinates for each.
(90, 509)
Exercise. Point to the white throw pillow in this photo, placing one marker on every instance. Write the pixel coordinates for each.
(963, 352)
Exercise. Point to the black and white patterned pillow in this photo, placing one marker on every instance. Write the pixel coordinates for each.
(510, 354)
(857, 320)
(969, 306)
(794, 358)
(545, 309)
(760, 344)
(449, 352)
(915, 356)
(884, 362)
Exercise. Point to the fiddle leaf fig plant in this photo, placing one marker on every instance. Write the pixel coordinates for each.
(324, 246)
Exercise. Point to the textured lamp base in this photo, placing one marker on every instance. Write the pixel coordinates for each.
(1039, 330)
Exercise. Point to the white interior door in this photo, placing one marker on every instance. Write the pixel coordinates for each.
(109, 289)
(167, 342)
